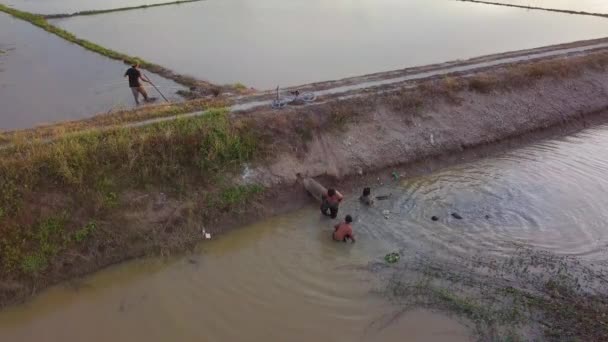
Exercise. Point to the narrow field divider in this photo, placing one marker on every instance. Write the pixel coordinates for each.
(40, 21)
(602, 15)
(120, 9)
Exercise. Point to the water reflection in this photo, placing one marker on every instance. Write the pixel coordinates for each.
(44, 79)
(263, 43)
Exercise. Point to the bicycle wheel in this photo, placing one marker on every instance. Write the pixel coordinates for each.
(278, 104)
(308, 97)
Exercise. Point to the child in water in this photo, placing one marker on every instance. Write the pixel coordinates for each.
(367, 198)
(344, 230)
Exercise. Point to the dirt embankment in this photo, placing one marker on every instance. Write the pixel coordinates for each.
(432, 121)
(345, 142)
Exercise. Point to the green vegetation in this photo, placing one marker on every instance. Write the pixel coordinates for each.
(108, 120)
(235, 195)
(79, 178)
(34, 263)
(41, 22)
(67, 15)
(31, 251)
(38, 245)
(240, 87)
(86, 231)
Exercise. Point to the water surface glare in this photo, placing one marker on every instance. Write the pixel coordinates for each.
(44, 79)
(592, 6)
(264, 43)
(72, 6)
(283, 279)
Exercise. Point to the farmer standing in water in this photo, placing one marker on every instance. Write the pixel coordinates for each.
(136, 88)
(331, 202)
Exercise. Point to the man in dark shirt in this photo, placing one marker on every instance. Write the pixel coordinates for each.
(136, 88)
(331, 202)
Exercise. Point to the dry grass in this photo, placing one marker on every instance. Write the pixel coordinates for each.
(483, 83)
(520, 75)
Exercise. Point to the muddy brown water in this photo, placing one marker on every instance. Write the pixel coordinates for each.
(265, 43)
(44, 79)
(283, 279)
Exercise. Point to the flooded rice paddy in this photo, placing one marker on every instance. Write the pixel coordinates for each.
(44, 79)
(72, 6)
(283, 279)
(265, 43)
(592, 6)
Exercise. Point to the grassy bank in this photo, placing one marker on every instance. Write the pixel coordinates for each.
(109, 120)
(41, 22)
(93, 12)
(73, 198)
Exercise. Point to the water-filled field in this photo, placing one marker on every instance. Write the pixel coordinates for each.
(44, 79)
(265, 43)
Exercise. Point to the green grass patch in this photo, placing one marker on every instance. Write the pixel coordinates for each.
(34, 263)
(236, 195)
(85, 232)
(93, 170)
(239, 87)
(30, 250)
(103, 161)
(108, 120)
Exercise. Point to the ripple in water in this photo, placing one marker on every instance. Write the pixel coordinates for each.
(550, 196)
(285, 280)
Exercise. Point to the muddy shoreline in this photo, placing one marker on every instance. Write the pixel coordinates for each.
(348, 144)
(285, 198)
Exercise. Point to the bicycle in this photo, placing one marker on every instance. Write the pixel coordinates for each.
(293, 97)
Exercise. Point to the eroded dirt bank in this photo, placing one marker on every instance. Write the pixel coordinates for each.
(438, 117)
(348, 142)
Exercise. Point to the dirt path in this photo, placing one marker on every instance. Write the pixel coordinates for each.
(384, 82)
(388, 81)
